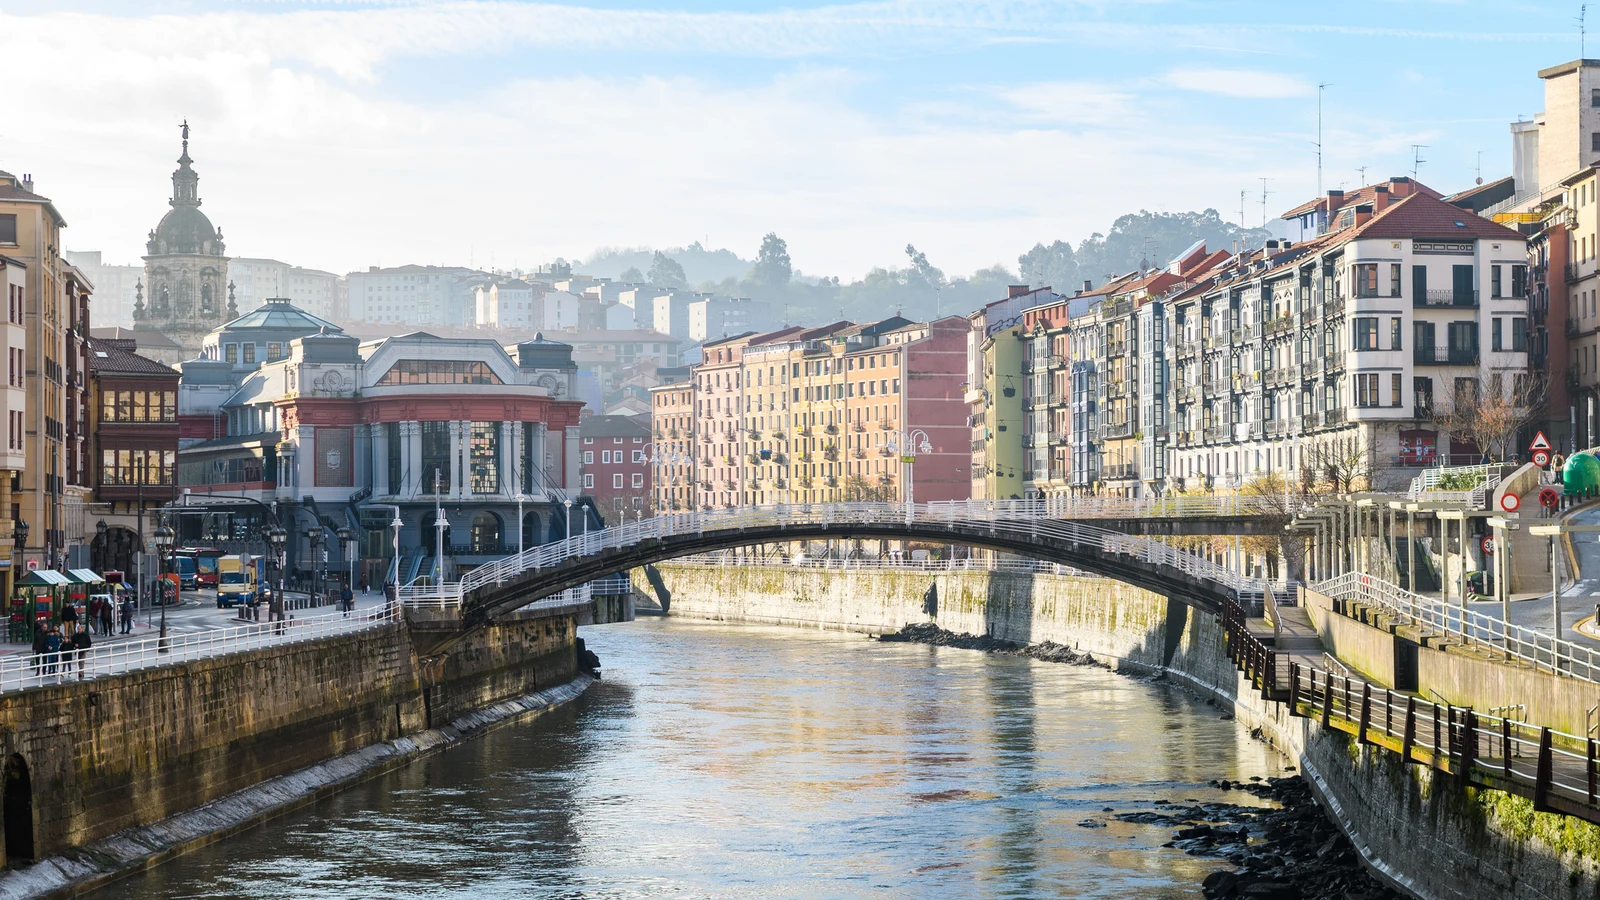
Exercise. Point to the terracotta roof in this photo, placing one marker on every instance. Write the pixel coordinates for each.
(1421, 216)
(107, 357)
(1358, 196)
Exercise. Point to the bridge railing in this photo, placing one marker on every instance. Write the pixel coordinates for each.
(1431, 614)
(1175, 507)
(34, 670)
(1001, 517)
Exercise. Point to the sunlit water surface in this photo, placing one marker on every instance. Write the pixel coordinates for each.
(760, 762)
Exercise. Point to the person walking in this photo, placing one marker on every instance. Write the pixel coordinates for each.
(128, 612)
(105, 616)
(40, 634)
(347, 600)
(364, 584)
(80, 647)
(52, 648)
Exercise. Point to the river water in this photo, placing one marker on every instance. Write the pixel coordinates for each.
(747, 762)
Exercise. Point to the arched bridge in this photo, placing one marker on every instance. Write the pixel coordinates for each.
(545, 571)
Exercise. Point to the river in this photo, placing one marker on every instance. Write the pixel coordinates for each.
(745, 762)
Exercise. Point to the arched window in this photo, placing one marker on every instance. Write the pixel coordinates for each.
(485, 532)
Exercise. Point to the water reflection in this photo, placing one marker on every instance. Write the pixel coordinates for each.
(751, 762)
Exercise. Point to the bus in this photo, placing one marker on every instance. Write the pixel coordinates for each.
(200, 570)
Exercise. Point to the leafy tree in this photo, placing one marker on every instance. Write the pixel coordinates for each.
(930, 274)
(665, 271)
(631, 275)
(772, 268)
(1053, 266)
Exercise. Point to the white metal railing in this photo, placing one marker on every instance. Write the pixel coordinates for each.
(1024, 519)
(1425, 486)
(889, 564)
(1513, 641)
(35, 669)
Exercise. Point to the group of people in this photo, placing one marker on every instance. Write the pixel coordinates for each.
(102, 612)
(54, 650)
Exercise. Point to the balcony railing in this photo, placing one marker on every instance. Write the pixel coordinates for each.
(1572, 328)
(1109, 430)
(1445, 356)
(1309, 421)
(1333, 417)
(1445, 297)
(1218, 433)
(1116, 348)
(1570, 270)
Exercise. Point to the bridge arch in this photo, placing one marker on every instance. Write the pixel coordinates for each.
(542, 572)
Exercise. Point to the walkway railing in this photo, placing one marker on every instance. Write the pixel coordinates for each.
(1170, 507)
(33, 670)
(1003, 517)
(1431, 614)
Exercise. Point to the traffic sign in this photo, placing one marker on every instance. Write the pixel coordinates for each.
(33, 564)
(1488, 544)
(1549, 497)
(1541, 458)
(1540, 442)
(908, 459)
(1510, 502)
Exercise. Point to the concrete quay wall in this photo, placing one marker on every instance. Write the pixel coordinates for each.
(125, 751)
(1414, 827)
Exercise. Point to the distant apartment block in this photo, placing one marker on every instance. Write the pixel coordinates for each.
(711, 318)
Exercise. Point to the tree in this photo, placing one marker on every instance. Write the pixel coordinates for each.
(930, 274)
(1489, 415)
(631, 275)
(665, 271)
(772, 268)
(1335, 465)
(1054, 266)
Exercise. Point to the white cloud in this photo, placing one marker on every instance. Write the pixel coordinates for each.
(1247, 83)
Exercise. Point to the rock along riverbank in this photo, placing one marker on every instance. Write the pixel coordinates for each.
(1286, 852)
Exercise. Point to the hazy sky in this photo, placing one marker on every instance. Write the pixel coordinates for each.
(345, 134)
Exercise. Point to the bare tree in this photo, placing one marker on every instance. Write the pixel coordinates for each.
(1490, 413)
(1335, 465)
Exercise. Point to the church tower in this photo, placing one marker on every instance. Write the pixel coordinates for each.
(185, 292)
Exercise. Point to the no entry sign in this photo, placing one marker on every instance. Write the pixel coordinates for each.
(1510, 502)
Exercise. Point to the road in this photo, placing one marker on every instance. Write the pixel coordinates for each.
(197, 612)
(1578, 600)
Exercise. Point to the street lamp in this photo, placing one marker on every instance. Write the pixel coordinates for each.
(100, 529)
(908, 444)
(164, 539)
(347, 541)
(522, 540)
(277, 536)
(441, 524)
(568, 503)
(314, 535)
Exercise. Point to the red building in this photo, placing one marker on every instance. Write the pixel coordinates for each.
(133, 446)
(616, 468)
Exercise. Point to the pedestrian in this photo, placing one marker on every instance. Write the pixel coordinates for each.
(40, 634)
(363, 584)
(52, 648)
(275, 610)
(69, 616)
(81, 644)
(127, 613)
(347, 599)
(105, 616)
(94, 612)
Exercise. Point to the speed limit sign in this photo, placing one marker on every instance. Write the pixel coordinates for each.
(1541, 458)
(1488, 544)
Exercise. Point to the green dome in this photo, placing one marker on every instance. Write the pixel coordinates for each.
(1582, 473)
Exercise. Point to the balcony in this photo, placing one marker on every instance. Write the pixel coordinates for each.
(1445, 356)
(1442, 297)
(1188, 348)
(1333, 417)
(1333, 307)
(1309, 421)
(1113, 430)
(1572, 328)
(1277, 427)
(1117, 471)
(1308, 371)
(1570, 270)
(1215, 386)
(1116, 348)
(1216, 434)
(1423, 404)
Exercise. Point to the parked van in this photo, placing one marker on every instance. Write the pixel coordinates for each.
(236, 581)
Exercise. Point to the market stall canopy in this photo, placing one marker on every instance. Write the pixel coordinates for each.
(44, 578)
(85, 576)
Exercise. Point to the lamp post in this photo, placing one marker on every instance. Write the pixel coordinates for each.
(440, 525)
(19, 533)
(314, 535)
(394, 577)
(522, 540)
(164, 539)
(908, 444)
(277, 536)
(100, 529)
(347, 542)
(568, 503)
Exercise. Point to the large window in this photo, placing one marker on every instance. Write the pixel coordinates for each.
(138, 406)
(1366, 275)
(435, 474)
(1367, 390)
(8, 228)
(396, 473)
(485, 457)
(132, 467)
(1366, 333)
(430, 371)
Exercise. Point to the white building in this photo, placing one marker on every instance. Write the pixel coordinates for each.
(14, 399)
(255, 281)
(505, 304)
(672, 312)
(711, 318)
(412, 295)
(115, 286)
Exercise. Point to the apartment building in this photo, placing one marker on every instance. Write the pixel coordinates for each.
(116, 288)
(134, 447)
(671, 452)
(52, 490)
(14, 278)
(413, 295)
(616, 468)
(714, 317)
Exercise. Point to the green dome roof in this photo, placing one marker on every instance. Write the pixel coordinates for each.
(1581, 473)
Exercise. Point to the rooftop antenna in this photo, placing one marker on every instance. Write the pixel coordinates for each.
(1480, 168)
(1265, 192)
(1320, 88)
(1583, 12)
(1242, 195)
(1362, 171)
(1416, 158)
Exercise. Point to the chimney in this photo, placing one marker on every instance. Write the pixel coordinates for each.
(1271, 249)
(1087, 286)
(1016, 290)
(1380, 198)
(1402, 186)
(1363, 213)
(27, 183)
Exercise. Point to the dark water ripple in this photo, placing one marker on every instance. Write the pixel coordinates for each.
(738, 762)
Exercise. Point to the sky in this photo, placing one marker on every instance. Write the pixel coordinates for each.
(345, 134)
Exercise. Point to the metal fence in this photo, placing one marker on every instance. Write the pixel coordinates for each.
(1431, 614)
(34, 670)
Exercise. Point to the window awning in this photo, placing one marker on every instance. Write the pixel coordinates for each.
(44, 578)
(85, 576)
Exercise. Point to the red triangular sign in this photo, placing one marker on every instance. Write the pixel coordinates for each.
(1540, 442)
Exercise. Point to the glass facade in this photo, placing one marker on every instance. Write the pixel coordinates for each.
(131, 467)
(435, 469)
(485, 458)
(429, 371)
(139, 406)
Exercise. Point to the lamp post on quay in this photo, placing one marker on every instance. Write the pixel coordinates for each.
(347, 542)
(100, 529)
(908, 444)
(164, 540)
(314, 535)
(277, 537)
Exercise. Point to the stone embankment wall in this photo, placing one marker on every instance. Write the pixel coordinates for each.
(121, 751)
(1415, 827)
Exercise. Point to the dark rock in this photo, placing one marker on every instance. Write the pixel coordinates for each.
(1090, 823)
(1271, 890)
